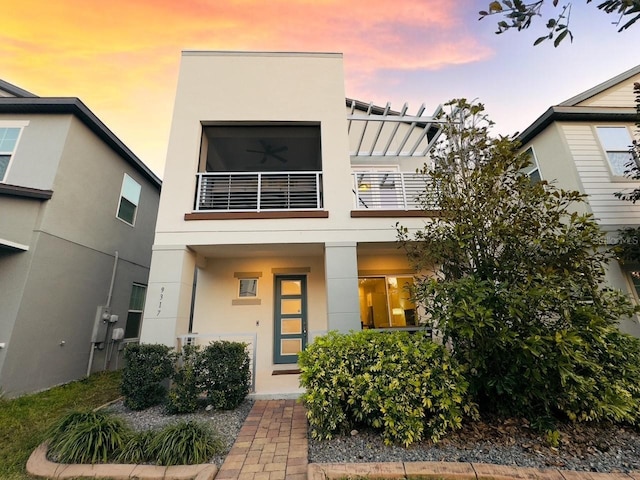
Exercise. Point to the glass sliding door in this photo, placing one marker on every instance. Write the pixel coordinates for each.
(385, 302)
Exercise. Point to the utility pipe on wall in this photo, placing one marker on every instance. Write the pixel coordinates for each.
(109, 296)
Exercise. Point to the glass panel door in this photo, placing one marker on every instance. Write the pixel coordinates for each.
(385, 302)
(290, 318)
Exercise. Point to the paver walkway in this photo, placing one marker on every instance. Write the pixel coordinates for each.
(271, 445)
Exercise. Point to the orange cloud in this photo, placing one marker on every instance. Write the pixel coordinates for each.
(121, 57)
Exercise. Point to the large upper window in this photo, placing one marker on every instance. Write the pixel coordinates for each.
(261, 148)
(616, 142)
(385, 302)
(129, 198)
(8, 140)
(134, 315)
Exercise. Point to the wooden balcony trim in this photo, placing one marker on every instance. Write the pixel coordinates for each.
(394, 213)
(255, 215)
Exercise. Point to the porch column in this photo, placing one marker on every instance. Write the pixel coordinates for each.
(341, 274)
(168, 302)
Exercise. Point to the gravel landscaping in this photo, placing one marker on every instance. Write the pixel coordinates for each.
(227, 423)
(512, 442)
(581, 447)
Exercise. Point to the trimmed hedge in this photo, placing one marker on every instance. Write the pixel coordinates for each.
(402, 384)
(147, 366)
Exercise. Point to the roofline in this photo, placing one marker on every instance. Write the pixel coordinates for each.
(74, 106)
(581, 97)
(576, 114)
(13, 90)
(239, 53)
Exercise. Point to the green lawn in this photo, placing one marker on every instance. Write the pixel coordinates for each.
(25, 420)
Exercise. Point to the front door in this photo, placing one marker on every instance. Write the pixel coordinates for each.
(290, 318)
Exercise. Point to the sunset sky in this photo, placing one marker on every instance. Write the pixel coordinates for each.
(121, 57)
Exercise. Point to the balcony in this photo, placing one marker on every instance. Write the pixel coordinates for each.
(392, 191)
(258, 191)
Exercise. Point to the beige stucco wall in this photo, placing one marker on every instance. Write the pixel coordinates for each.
(215, 312)
(261, 87)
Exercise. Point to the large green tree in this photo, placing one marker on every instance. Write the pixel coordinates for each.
(520, 15)
(518, 291)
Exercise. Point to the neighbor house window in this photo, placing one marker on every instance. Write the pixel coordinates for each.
(8, 141)
(385, 302)
(136, 307)
(616, 142)
(247, 288)
(129, 198)
(533, 169)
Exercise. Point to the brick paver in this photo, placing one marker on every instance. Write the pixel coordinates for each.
(271, 445)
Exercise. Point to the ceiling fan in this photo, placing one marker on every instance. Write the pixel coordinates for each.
(270, 151)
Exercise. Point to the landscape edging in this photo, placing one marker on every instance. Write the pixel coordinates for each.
(39, 466)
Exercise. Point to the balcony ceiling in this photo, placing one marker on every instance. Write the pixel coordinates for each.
(263, 148)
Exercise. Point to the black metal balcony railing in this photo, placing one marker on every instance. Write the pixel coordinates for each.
(378, 190)
(258, 191)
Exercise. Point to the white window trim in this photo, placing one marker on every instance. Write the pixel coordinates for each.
(532, 153)
(135, 215)
(612, 173)
(12, 124)
(141, 312)
(240, 280)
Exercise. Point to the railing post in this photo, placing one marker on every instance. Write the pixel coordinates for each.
(404, 190)
(318, 206)
(198, 190)
(259, 191)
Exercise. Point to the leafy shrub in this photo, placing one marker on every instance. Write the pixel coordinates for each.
(147, 366)
(519, 293)
(185, 387)
(405, 385)
(574, 365)
(223, 369)
(185, 443)
(87, 437)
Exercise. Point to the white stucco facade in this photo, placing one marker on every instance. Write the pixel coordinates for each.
(322, 248)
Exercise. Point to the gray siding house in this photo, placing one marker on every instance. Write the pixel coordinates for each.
(583, 144)
(77, 218)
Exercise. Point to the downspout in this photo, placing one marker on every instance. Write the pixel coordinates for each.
(109, 340)
(113, 278)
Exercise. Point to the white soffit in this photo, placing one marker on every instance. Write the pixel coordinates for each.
(396, 142)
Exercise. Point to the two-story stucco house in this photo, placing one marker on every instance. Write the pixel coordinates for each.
(77, 218)
(583, 144)
(278, 210)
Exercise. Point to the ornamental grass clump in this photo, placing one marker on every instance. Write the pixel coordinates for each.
(87, 437)
(185, 443)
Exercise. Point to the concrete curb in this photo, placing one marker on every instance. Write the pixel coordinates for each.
(451, 471)
(39, 466)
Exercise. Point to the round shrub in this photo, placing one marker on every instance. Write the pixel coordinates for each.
(403, 384)
(185, 382)
(223, 368)
(147, 366)
(87, 437)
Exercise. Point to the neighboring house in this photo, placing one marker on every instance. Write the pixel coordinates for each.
(77, 218)
(278, 211)
(583, 144)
